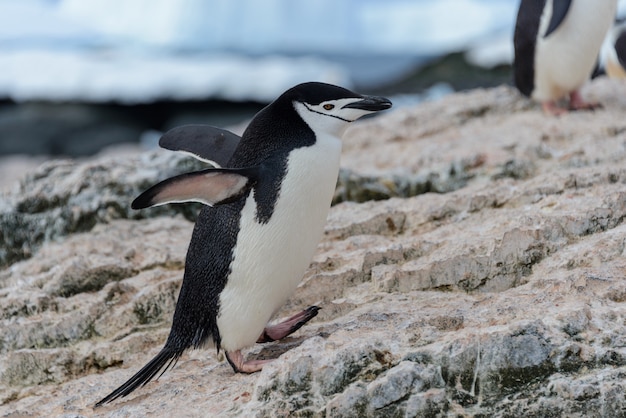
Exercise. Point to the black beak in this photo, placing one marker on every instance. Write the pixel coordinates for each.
(370, 103)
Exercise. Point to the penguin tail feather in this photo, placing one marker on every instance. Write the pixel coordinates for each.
(164, 360)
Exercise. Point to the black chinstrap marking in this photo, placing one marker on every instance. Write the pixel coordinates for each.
(326, 114)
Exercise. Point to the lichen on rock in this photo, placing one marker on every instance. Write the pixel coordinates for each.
(479, 271)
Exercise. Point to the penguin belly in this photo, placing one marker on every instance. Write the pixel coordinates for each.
(565, 59)
(270, 259)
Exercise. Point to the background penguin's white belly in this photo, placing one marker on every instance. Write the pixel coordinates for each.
(565, 59)
(270, 259)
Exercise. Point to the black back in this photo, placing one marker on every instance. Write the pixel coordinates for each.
(524, 41)
(559, 11)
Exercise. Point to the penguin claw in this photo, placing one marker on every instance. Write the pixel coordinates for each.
(288, 326)
(235, 359)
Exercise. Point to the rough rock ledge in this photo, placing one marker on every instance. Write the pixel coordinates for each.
(502, 294)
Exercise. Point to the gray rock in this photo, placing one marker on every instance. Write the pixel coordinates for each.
(504, 297)
(65, 197)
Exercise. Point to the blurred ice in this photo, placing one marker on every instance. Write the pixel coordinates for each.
(130, 77)
(144, 50)
(286, 26)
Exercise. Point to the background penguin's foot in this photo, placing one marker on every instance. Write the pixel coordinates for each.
(576, 102)
(288, 326)
(235, 358)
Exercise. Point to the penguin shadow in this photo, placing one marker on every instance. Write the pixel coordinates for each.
(273, 350)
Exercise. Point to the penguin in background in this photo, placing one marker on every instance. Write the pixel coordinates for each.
(614, 51)
(267, 203)
(556, 44)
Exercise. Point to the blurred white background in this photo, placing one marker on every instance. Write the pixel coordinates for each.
(78, 75)
(134, 51)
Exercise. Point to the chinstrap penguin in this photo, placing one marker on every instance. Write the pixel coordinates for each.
(267, 205)
(557, 43)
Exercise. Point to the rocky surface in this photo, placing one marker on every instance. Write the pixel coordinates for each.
(503, 294)
(62, 197)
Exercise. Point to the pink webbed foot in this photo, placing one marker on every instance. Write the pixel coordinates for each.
(271, 333)
(235, 358)
(576, 102)
(288, 326)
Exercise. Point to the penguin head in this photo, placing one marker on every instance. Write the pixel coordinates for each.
(328, 108)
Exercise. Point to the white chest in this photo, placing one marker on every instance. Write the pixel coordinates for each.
(270, 259)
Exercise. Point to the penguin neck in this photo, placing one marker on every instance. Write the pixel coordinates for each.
(276, 129)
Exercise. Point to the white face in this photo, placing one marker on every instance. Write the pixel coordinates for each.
(330, 116)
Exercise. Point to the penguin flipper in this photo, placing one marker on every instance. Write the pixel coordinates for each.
(204, 142)
(164, 360)
(559, 11)
(526, 30)
(620, 48)
(211, 187)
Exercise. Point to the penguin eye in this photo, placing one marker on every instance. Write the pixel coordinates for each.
(329, 106)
